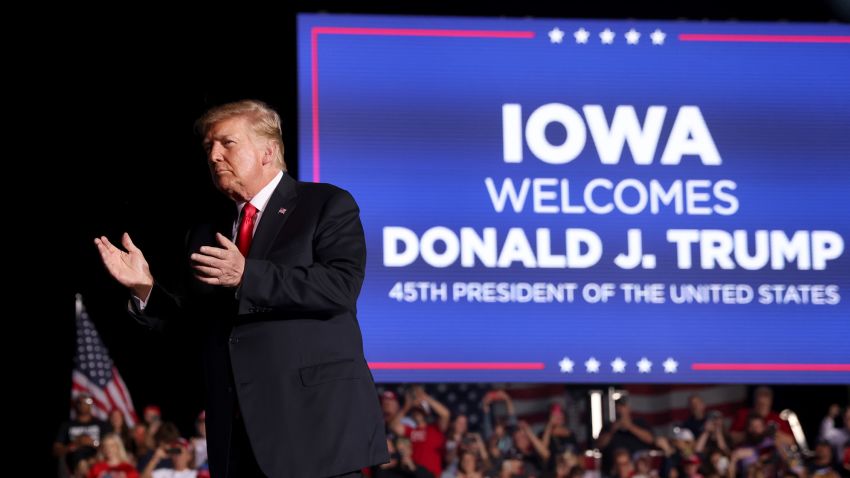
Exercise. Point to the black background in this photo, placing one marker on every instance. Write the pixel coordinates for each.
(129, 89)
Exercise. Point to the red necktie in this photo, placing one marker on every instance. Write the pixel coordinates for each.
(246, 229)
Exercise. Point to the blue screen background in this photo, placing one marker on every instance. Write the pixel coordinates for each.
(412, 125)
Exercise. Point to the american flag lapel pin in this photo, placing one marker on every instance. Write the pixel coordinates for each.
(281, 210)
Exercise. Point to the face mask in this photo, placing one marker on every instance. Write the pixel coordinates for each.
(722, 465)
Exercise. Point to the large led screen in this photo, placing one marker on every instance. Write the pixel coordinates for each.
(589, 200)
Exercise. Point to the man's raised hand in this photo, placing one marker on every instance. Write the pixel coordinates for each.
(128, 267)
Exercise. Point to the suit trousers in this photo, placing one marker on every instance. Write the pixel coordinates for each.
(242, 463)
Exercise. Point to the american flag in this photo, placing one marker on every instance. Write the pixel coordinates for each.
(666, 406)
(95, 374)
(531, 400)
(663, 406)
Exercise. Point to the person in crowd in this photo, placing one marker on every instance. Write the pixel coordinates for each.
(81, 435)
(557, 436)
(142, 442)
(80, 462)
(496, 427)
(757, 451)
(763, 407)
(622, 464)
(179, 453)
(529, 449)
(565, 465)
(712, 437)
(697, 418)
(514, 467)
(471, 465)
(152, 418)
(454, 440)
(677, 450)
(690, 467)
(717, 464)
(427, 437)
(402, 463)
(152, 414)
(500, 442)
(119, 426)
(392, 412)
(166, 433)
(627, 432)
(643, 466)
(472, 444)
(115, 462)
(199, 441)
(838, 437)
(823, 460)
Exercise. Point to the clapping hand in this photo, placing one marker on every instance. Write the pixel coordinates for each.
(219, 265)
(128, 267)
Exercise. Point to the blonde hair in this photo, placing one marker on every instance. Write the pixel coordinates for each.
(264, 121)
(122, 452)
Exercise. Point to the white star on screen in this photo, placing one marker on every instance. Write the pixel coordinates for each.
(632, 37)
(592, 365)
(657, 37)
(670, 365)
(607, 36)
(618, 365)
(556, 35)
(581, 35)
(644, 365)
(566, 365)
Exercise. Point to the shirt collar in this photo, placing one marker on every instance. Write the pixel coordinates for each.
(262, 198)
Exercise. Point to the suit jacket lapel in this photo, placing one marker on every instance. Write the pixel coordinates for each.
(279, 208)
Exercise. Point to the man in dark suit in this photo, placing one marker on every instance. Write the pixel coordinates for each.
(289, 391)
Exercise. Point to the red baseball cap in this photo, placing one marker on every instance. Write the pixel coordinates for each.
(181, 443)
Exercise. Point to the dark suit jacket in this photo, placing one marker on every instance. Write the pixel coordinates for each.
(290, 338)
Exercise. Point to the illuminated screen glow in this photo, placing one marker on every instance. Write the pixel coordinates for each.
(589, 200)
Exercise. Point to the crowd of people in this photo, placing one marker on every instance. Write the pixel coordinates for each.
(87, 447)
(427, 440)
